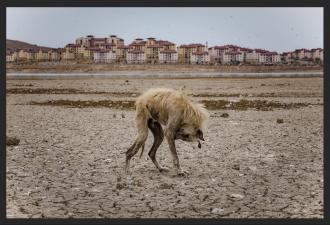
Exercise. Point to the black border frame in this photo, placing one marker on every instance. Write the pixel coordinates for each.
(160, 3)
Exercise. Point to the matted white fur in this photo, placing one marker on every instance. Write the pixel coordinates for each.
(165, 98)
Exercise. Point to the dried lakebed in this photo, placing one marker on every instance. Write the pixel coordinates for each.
(255, 162)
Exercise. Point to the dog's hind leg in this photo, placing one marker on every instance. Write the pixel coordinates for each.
(142, 128)
(158, 134)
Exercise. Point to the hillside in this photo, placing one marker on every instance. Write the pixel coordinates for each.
(14, 44)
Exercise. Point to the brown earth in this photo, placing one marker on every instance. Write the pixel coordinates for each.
(92, 67)
(253, 163)
(243, 104)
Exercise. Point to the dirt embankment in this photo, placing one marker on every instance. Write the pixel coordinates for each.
(92, 67)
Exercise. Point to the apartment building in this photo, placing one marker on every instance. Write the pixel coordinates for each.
(152, 50)
(67, 54)
(136, 53)
(54, 55)
(121, 53)
(252, 56)
(136, 57)
(104, 56)
(269, 58)
(11, 55)
(42, 55)
(82, 52)
(154, 47)
(200, 57)
(91, 41)
(27, 55)
(85, 46)
(107, 46)
(317, 54)
(168, 56)
(138, 44)
(116, 41)
(185, 51)
(22, 54)
(85, 41)
(302, 54)
(217, 53)
(286, 57)
(233, 57)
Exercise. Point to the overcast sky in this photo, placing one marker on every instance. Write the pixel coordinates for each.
(276, 29)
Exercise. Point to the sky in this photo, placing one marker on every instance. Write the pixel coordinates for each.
(276, 29)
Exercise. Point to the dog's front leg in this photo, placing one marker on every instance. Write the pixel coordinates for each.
(170, 137)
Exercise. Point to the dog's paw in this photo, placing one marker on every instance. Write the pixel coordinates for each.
(163, 169)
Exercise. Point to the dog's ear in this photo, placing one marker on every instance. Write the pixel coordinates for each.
(200, 135)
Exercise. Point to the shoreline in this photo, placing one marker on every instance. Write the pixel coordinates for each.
(169, 74)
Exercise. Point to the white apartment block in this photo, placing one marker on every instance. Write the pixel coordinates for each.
(200, 57)
(233, 57)
(252, 56)
(104, 56)
(302, 53)
(11, 56)
(216, 53)
(168, 56)
(269, 58)
(317, 53)
(136, 57)
(219, 53)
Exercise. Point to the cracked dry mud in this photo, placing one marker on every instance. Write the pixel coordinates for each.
(69, 161)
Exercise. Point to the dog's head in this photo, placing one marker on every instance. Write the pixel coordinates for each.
(190, 133)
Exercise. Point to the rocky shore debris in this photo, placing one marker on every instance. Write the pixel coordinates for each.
(12, 141)
(224, 115)
(236, 167)
(88, 104)
(244, 104)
